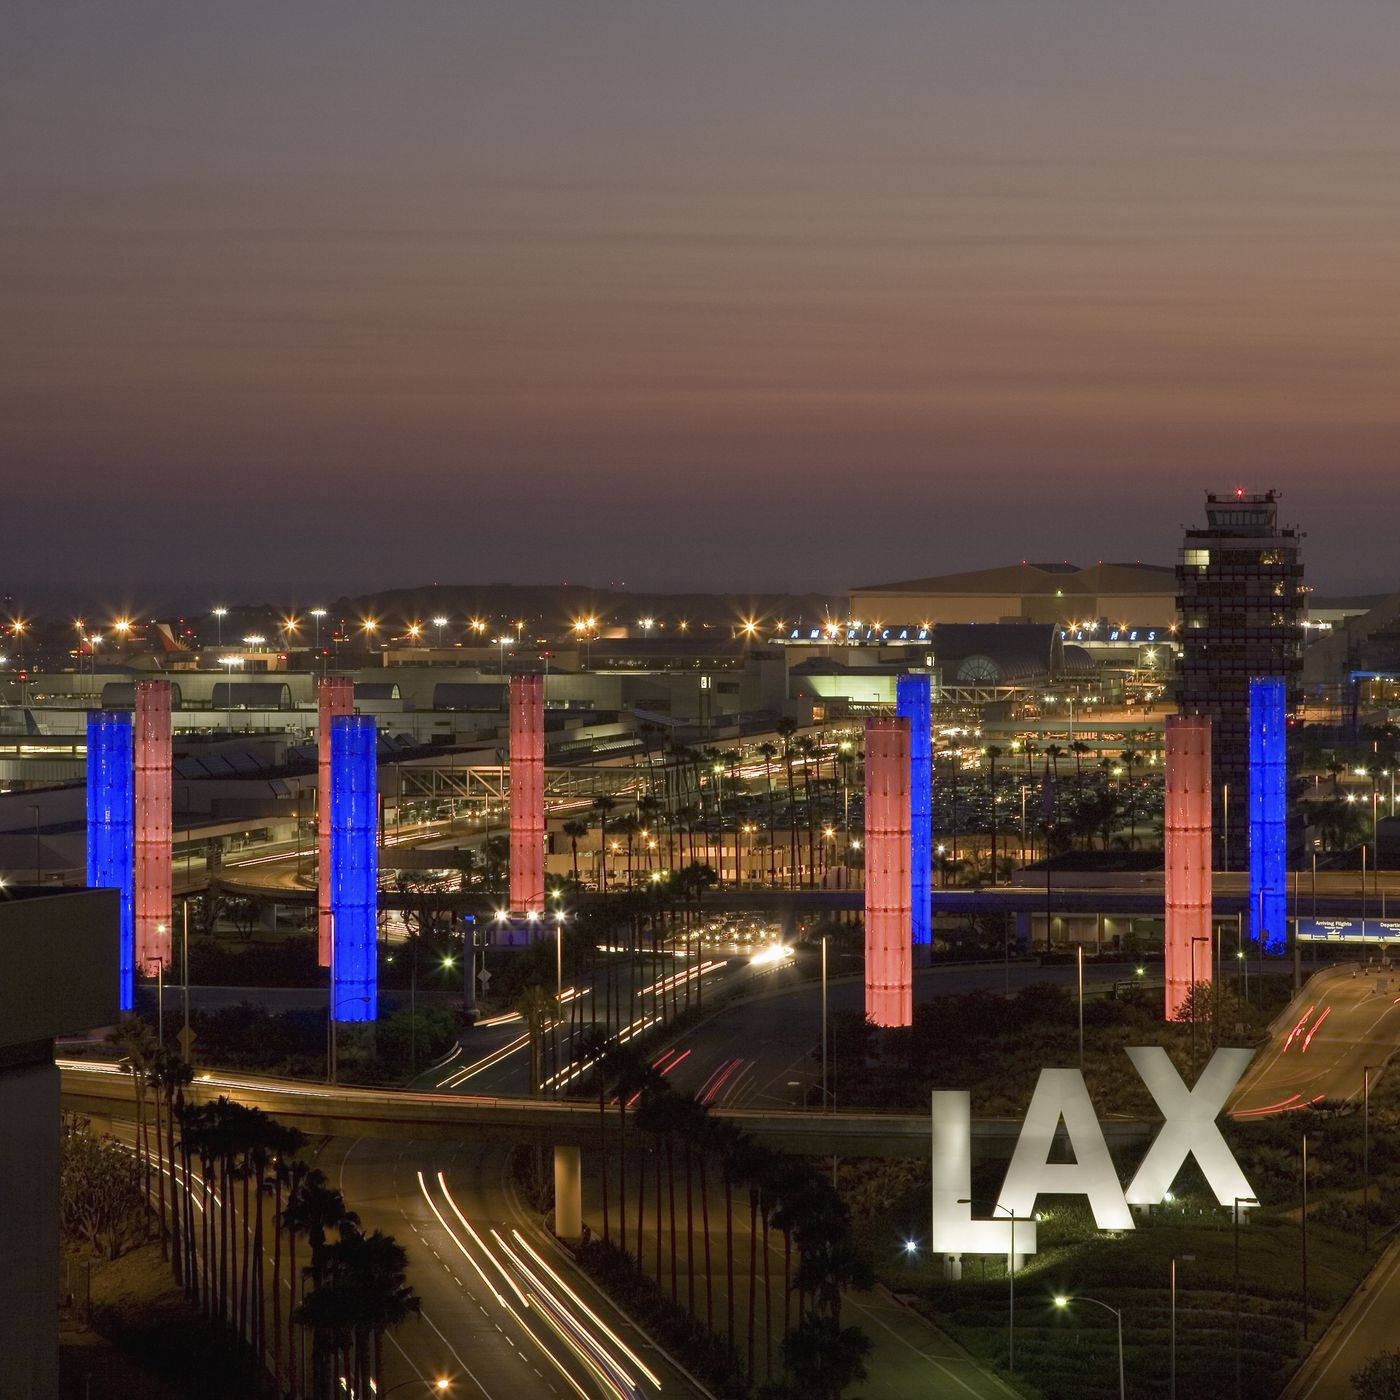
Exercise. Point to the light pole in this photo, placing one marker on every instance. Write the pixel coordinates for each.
(1079, 961)
(1063, 1302)
(438, 1387)
(1304, 1220)
(1010, 1279)
(825, 1100)
(1366, 1157)
(1225, 834)
(1185, 1258)
(316, 615)
(1198, 938)
(1240, 1201)
(219, 615)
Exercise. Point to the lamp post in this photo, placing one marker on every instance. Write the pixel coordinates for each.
(1304, 1221)
(1079, 963)
(1197, 938)
(825, 1101)
(1185, 1258)
(1366, 1157)
(1010, 1279)
(219, 614)
(1063, 1302)
(1240, 1202)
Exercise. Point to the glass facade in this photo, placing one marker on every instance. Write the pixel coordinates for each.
(1240, 594)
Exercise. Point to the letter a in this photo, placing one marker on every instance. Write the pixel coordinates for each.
(1190, 1126)
(1060, 1093)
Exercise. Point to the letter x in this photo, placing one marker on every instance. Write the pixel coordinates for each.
(1190, 1126)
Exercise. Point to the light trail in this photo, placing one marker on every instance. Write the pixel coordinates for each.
(505, 1302)
(1303, 1020)
(1317, 1025)
(621, 1345)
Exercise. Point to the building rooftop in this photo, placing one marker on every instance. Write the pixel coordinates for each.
(1024, 578)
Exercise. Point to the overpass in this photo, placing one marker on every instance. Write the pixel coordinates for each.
(103, 1092)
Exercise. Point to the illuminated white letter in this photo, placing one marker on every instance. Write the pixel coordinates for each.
(1190, 1125)
(1060, 1093)
(954, 1229)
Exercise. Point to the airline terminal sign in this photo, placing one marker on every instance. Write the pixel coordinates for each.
(1348, 930)
(1190, 1129)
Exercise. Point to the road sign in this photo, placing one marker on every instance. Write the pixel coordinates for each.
(484, 978)
(1348, 930)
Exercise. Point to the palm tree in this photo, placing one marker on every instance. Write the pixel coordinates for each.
(539, 1009)
(993, 753)
(768, 752)
(628, 826)
(785, 729)
(575, 831)
(809, 749)
(362, 1293)
(314, 1209)
(1131, 757)
(137, 1043)
(824, 1358)
(168, 1076)
(287, 1172)
(603, 805)
(1079, 748)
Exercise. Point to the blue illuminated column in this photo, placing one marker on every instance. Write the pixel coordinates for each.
(1268, 781)
(111, 828)
(912, 701)
(354, 867)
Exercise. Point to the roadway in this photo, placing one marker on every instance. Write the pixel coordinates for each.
(764, 1051)
(1344, 1018)
(504, 1311)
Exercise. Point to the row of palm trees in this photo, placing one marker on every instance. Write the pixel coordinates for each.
(648, 970)
(784, 1196)
(682, 799)
(216, 1169)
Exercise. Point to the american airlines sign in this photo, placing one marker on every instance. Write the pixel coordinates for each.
(1060, 1095)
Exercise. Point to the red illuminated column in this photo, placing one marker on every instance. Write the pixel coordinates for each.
(152, 801)
(1188, 885)
(889, 993)
(336, 697)
(527, 792)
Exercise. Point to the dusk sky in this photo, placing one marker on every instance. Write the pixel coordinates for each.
(308, 298)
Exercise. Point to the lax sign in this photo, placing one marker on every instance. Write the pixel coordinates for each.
(1190, 1129)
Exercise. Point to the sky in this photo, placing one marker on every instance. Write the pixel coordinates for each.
(320, 297)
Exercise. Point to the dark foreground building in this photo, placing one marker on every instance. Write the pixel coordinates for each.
(1240, 596)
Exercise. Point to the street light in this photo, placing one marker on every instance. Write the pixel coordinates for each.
(1185, 1258)
(317, 614)
(219, 615)
(440, 1386)
(1061, 1301)
(1240, 1202)
(1010, 1279)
